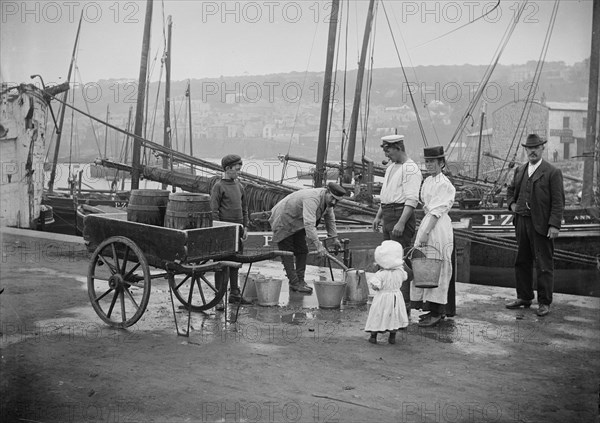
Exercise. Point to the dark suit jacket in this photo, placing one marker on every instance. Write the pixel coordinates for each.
(547, 200)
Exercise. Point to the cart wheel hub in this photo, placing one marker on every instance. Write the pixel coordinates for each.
(115, 281)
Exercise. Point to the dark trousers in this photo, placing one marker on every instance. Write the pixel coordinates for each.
(295, 243)
(390, 216)
(233, 271)
(538, 249)
(295, 268)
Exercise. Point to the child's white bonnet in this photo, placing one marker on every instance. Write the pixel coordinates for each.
(389, 255)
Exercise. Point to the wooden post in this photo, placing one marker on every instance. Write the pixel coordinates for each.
(591, 150)
(62, 112)
(141, 98)
(167, 122)
(357, 93)
(323, 124)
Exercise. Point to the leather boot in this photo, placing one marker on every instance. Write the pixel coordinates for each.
(235, 297)
(301, 269)
(290, 271)
(219, 281)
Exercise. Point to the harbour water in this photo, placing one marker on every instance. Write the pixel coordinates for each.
(98, 177)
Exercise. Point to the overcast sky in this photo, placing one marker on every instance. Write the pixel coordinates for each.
(214, 38)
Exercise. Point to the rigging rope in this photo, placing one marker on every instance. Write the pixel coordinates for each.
(332, 99)
(416, 78)
(460, 27)
(344, 133)
(365, 127)
(412, 98)
(285, 161)
(487, 75)
(87, 107)
(524, 117)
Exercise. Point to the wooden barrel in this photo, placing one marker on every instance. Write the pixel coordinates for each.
(188, 210)
(148, 206)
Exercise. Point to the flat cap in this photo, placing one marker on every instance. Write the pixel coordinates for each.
(336, 190)
(230, 160)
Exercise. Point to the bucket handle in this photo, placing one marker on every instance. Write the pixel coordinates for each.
(331, 258)
(410, 252)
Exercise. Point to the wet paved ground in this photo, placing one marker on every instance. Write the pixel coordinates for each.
(510, 363)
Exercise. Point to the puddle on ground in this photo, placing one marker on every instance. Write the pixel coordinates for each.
(283, 315)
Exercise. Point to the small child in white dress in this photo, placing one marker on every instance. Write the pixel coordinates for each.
(388, 312)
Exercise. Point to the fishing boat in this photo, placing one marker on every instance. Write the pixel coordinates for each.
(23, 115)
(491, 226)
(64, 201)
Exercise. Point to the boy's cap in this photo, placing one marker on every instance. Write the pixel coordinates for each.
(230, 160)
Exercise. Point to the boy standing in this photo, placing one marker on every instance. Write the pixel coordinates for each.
(228, 204)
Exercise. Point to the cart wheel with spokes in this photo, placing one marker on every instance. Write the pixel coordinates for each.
(119, 282)
(196, 292)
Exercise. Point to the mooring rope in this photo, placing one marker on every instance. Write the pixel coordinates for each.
(510, 244)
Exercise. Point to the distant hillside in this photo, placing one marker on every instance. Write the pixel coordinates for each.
(230, 110)
(449, 84)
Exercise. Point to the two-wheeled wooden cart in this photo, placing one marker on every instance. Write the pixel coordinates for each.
(124, 252)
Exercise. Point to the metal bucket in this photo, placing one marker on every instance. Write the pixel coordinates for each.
(329, 294)
(148, 206)
(188, 211)
(267, 291)
(426, 269)
(357, 290)
(250, 289)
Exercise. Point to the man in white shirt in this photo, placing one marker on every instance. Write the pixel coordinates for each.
(399, 197)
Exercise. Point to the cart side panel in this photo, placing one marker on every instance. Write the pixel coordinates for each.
(158, 244)
(216, 241)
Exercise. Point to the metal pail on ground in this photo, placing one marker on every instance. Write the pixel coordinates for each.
(148, 206)
(357, 290)
(188, 210)
(267, 291)
(250, 289)
(329, 294)
(426, 267)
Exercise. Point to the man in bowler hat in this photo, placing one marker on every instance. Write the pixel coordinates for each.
(536, 197)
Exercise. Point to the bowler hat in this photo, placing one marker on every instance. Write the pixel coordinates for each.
(230, 160)
(336, 190)
(533, 140)
(392, 139)
(435, 152)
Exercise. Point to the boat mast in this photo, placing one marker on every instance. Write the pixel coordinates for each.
(590, 150)
(167, 123)
(141, 98)
(479, 143)
(189, 96)
(106, 130)
(126, 145)
(62, 112)
(357, 93)
(323, 124)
